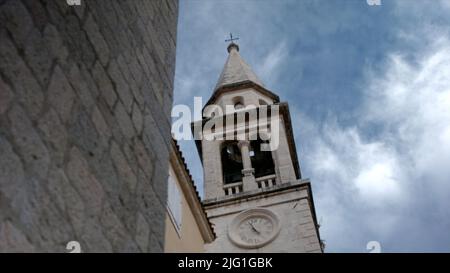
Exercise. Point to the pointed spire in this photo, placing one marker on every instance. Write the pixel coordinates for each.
(236, 69)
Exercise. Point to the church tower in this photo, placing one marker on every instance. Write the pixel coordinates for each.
(254, 194)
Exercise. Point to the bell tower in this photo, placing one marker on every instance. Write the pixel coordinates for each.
(254, 193)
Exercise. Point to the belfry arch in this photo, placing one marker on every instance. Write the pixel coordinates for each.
(261, 159)
(231, 159)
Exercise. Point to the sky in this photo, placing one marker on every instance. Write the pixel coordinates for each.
(369, 93)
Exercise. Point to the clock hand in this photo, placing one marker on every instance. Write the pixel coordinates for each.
(253, 227)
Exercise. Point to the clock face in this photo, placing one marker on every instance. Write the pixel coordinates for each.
(254, 228)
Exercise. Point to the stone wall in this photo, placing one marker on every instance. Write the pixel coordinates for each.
(85, 99)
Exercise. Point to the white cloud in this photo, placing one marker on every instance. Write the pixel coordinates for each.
(269, 67)
(371, 185)
(377, 181)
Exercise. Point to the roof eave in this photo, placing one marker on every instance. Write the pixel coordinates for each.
(240, 85)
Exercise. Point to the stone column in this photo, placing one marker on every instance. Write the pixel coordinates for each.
(248, 177)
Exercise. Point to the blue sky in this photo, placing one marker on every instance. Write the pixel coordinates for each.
(369, 93)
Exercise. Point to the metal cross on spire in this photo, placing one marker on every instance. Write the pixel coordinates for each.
(231, 38)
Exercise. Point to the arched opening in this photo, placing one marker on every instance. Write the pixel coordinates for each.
(262, 161)
(238, 103)
(231, 162)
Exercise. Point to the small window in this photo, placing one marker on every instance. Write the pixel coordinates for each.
(238, 102)
(174, 203)
(238, 106)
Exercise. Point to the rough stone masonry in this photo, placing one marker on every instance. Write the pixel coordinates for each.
(85, 99)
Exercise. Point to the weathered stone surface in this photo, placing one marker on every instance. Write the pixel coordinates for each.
(13, 240)
(125, 173)
(57, 186)
(60, 94)
(159, 179)
(6, 96)
(37, 56)
(84, 182)
(77, 86)
(55, 44)
(155, 244)
(82, 133)
(121, 85)
(26, 87)
(124, 121)
(32, 150)
(101, 125)
(93, 238)
(137, 118)
(54, 134)
(81, 50)
(116, 232)
(18, 21)
(11, 169)
(104, 84)
(97, 40)
(142, 233)
(40, 218)
(37, 12)
(84, 87)
(144, 158)
(153, 138)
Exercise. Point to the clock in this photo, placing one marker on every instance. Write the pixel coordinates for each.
(254, 228)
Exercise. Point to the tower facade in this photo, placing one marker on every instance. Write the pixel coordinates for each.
(254, 193)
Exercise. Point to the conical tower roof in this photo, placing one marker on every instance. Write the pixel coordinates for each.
(237, 74)
(236, 70)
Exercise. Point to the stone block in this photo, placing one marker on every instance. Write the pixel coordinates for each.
(124, 121)
(55, 134)
(142, 237)
(137, 118)
(60, 94)
(32, 149)
(37, 56)
(55, 44)
(123, 169)
(17, 20)
(101, 125)
(13, 240)
(96, 38)
(104, 84)
(121, 86)
(6, 96)
(12, 176)
(116, 232)
(84, 182)
(26, 87)
(82, 132)
(84, 87)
